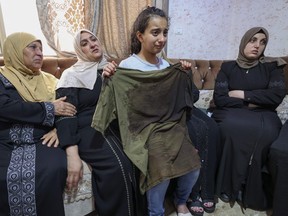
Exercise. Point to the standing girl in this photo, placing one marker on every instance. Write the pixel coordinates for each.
(148, 38)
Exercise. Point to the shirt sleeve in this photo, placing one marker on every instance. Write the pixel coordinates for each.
(14, 110)
(273, 95)
(67, 125)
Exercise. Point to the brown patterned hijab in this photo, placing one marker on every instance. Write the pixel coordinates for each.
(246, 63)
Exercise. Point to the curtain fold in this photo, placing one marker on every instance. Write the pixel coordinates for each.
(116, 21)
(61, 19)
(110, 20)
(92, 14)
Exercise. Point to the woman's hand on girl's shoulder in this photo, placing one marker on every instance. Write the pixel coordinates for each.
(109, 69)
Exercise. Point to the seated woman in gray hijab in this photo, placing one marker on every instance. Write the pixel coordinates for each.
(247, 92)
(32, 173)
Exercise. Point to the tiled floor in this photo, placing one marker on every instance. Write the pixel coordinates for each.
(223, 209)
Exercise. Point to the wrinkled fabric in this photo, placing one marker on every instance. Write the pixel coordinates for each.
(151, 110)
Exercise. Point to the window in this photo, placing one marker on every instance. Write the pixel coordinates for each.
(23, 16)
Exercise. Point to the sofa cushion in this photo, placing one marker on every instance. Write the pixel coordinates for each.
(204, 101)
(282, 110)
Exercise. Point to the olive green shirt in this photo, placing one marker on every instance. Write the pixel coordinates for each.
(151, 110)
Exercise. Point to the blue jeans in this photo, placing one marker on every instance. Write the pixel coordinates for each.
(156, 195)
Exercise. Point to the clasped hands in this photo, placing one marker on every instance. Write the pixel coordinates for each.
(240, 94)
(236, 94)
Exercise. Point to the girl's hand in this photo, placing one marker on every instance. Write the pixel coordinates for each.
(109, 69)
(185, 65)
(51, 138)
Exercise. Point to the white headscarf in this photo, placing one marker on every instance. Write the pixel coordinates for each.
(83, 74)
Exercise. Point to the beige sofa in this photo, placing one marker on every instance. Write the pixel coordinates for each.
(204, 71)
(204, 74)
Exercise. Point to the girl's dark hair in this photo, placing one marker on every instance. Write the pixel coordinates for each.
(141, 24)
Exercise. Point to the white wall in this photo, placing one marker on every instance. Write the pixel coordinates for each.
(212, 29)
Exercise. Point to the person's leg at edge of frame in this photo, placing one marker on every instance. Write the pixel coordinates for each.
(155, 199)
(184, 187)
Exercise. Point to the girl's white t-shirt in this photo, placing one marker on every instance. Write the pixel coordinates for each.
(135, 62)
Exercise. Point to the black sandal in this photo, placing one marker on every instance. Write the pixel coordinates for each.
(195, 203)
(208, 209)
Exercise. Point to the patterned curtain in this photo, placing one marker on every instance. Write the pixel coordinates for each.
(61, 19)
(91, 14)
(116, 21)
(110, 20)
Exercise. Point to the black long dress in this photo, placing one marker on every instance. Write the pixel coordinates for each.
(205, 135)
(32, 175)
(246, 132)
(114, 178)
(278, 167)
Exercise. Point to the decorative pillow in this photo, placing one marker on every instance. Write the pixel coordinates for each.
(282, 110)
(205, 98)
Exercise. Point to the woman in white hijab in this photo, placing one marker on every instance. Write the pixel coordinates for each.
(113, 175)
